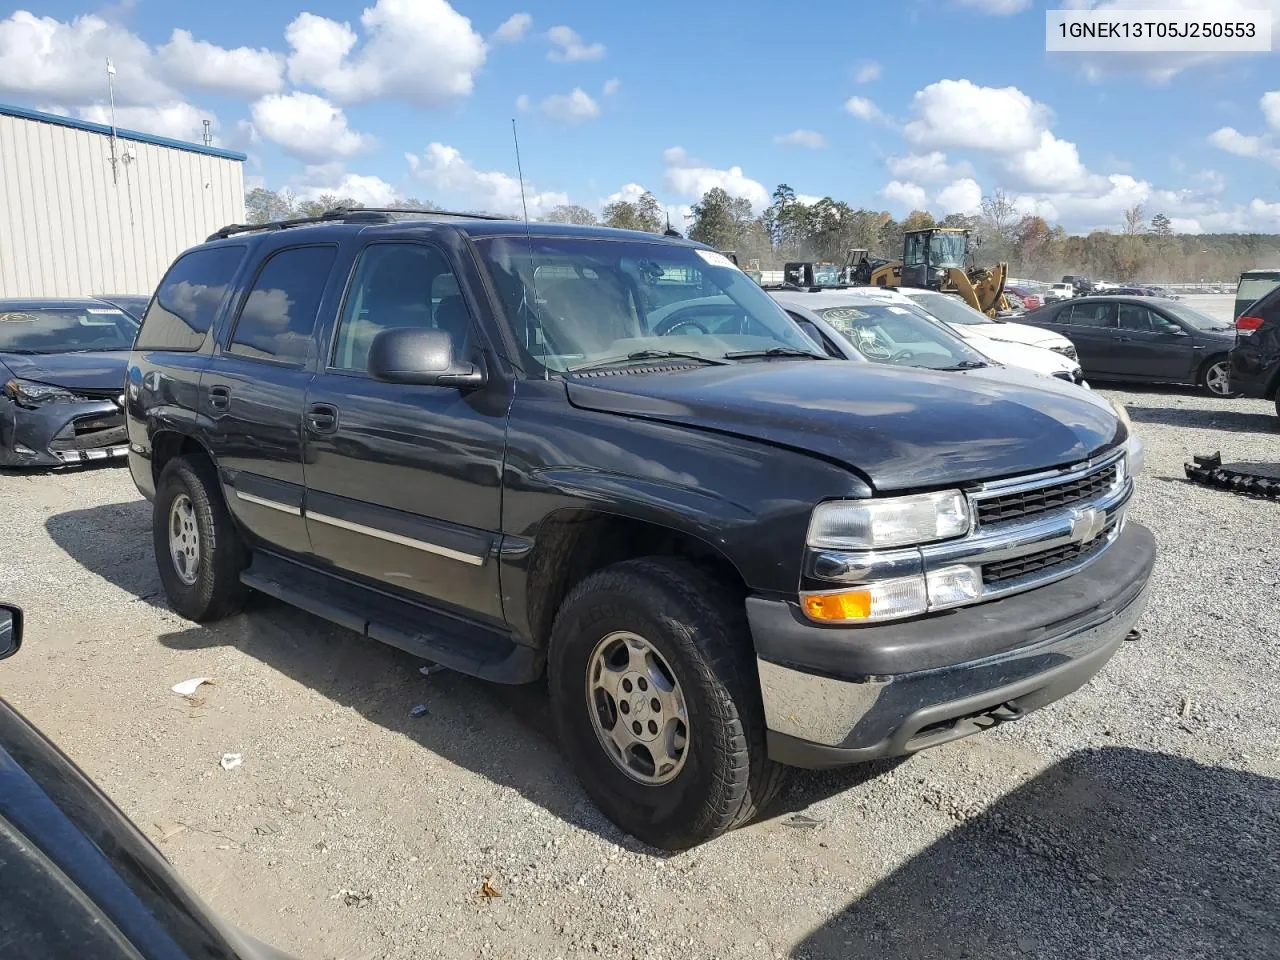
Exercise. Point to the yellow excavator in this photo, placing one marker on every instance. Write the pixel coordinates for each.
(937, 259)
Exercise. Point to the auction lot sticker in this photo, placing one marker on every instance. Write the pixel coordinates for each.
(1214, 28)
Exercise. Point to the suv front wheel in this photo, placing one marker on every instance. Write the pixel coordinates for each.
(655, 696)
(198, 550)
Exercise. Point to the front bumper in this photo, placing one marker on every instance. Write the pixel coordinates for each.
(835, 696)
(58, 434)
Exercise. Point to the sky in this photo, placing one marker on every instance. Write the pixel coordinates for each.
(915, 104)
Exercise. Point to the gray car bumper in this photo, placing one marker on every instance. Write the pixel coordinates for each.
(841, 696)
(57, 434)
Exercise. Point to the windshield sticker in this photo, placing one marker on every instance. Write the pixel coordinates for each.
(17, 318)
(108, 313)
(844, 313)
(715, 259)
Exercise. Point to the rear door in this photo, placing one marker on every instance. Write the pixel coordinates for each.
(404, 481)
(255, 387)
(1150, 346)
(1091, 326)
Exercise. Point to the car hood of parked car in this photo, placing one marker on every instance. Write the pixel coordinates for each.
(900, 428)
(1011, 333)
(1037, 359)
(76, 371)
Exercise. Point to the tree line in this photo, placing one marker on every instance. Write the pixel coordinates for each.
(1145, 249)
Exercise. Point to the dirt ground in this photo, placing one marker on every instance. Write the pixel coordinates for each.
(1139, 818)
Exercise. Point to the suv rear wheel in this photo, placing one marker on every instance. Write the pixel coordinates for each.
(657, 704)
(198, 549)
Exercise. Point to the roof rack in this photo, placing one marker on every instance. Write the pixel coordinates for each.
(345, 215)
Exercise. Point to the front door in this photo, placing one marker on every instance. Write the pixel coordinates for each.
(1151, 346)
(1090, 325)
(404, 482)
(253, 392)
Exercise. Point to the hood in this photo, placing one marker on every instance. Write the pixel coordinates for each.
(75, 371)
(1016, 333)
(899, 428)
(1022, 355)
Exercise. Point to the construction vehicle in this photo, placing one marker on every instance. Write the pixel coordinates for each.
(752, 268)
(937, 258)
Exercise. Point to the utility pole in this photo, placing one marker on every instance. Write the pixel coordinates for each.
(208, 133)
(111, 95)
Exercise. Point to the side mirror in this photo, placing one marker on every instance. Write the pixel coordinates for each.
(421, 357)
(10, 631)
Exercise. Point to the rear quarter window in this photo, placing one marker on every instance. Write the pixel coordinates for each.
(189, 298)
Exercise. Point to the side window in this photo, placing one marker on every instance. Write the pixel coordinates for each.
(278, 317)
(1135, 317)
(188, 299)
(1090, 315)
(399, 285)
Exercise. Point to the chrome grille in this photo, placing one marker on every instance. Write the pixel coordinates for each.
(996, 575)
(1020, 504)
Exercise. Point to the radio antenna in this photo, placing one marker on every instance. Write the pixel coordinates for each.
(520, 173)
(528, 239)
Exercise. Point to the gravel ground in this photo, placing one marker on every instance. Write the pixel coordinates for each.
(1138, 818)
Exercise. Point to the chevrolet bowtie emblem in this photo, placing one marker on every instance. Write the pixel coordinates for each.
(1087, 524)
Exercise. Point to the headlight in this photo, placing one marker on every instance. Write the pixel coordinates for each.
(893, 522)
(29, 393)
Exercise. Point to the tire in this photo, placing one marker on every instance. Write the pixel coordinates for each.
(209, 587)
(1208, 375)
(698, 628)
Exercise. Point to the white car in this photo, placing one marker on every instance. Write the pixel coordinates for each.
(853, 326)
(973, 326)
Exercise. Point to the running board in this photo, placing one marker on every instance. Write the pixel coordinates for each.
(1252, 479)
(462, 645)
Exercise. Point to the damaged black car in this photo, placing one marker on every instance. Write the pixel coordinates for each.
(62, 366)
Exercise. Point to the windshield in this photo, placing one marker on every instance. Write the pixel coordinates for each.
(947, 308)
(574, 302)
(66, 330)
(946, 250)
(1201, 321)
(1255, 288)
(905, 336)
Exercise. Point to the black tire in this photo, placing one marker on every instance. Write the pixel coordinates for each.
(216, 591)
(699, 627)
(1205, 371)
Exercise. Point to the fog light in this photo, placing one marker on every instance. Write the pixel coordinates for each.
(953, 585)
(881, 600)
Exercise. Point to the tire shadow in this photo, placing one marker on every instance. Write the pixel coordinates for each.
(1113, 852)
(503, 733)
(1235, 421)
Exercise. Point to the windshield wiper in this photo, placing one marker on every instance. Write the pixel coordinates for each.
(775, 352)
(965, 365)
(644, 355)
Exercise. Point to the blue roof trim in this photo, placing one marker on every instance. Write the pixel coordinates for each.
(23, 113)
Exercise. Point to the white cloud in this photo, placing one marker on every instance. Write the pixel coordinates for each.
(808, 199)
(420, 51)
(178, 119)
(333, 179)
(905, 194)
(309, 127)
(567, 46)
(1052, 164)
(863, 109)
(1214, 181)
(927, 167)
(959, 113)
(187, 62)
(611, 86)
(1243, 145)
(959, 196)
(1271, 108)
(446, 171)
(999, 8)
(693, 178)
(513, 29)
(630, 192)
(66, 62)
(802, 138)
(573, 107)
(867, 72)
(523, 102)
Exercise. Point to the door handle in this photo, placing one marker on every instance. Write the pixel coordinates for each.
(322, 418)
(220, 397)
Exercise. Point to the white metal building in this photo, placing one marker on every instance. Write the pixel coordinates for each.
(70, 226)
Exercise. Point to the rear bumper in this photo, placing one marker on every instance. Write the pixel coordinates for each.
(58, 434)
(1250, 375)
(835, 696)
